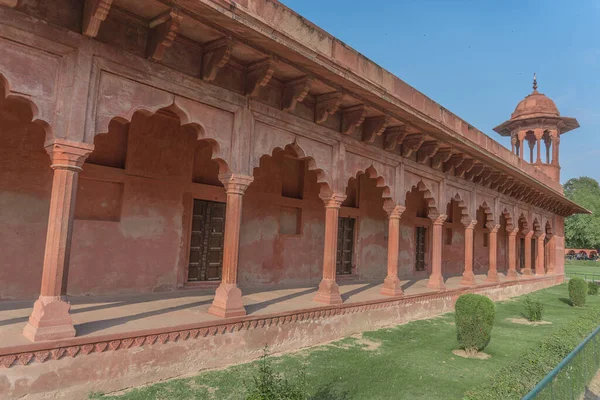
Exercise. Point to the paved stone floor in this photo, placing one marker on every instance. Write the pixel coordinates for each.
(97, 315)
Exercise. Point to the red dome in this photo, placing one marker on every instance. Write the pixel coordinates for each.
(536, 104)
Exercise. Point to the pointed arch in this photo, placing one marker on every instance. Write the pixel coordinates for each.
(36, 115)
(323, 180)
(432, 208)
(186, 122)
(371, 173)
(508, 218)
(489, 214)
(524, 223)
(465, 217)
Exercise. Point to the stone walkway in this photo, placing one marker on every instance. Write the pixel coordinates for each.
(95, 316)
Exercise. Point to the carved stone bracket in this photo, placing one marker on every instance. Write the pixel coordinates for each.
(327, 104)
(94, 13)
(333, 200)
(295, 91)
(465, 167)
(394, 211)
(455, 161)
(216, 56)
(235, 183)
(412, 143)
(394, 136)
(427, 150)
(493, 226)
(475, 171)
(164, 30)
(374, 127)
(352, 118)
(442, 156)
(259, 75)
(483, 176)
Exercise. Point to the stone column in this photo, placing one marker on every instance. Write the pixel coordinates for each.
(492, 275)
(512, 254)
(555, 145)
(436, 280)
(468, 277)
(538, 142)
(521, 136)
(228, 297)
(329, 292)
(50, 319)
(551, 256)
(391, 284)
(527, 270)
(539, 256)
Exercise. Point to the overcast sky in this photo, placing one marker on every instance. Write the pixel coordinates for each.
(477, 58)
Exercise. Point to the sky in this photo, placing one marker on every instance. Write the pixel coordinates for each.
(477, 57)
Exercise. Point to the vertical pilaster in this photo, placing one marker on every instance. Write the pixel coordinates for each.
(329, 292)
(512, 254)
(391, 284)
(539, 256)
(50, 319)
(436, 280)
(551, 255)
(527, 270)
(492, 275)
(468, 277)
(228, 297)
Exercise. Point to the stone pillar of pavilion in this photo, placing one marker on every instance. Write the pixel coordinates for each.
(391, 284)
(329, 292)
(551, 255)
(492, 275)
(512, 254)
(228, 297)
(436, 280)
(527, 270)
(539, 256)
(50, 319)
(468, 277)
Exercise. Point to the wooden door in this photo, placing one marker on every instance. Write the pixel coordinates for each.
(421, 234)
(345, 246)
(206, 244)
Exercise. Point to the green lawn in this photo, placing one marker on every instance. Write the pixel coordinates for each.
(410, 361)
(583, 267)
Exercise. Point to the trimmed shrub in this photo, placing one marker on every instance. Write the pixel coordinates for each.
(592, 288)
(578, 289)
(516, 379)
(533, 309)
(270, 385)
(474, 316)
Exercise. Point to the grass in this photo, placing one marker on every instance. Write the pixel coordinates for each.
(412, 361)
(582, 267)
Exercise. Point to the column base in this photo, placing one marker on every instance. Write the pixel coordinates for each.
(527, 271)
(512, 274)
(50, 320)
(391, 286)
(468, 279)
(227, 302)
(436, 282)
(492, 276)
(328, 293)
(542, 273)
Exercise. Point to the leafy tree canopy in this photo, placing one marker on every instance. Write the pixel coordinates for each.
(583, 231)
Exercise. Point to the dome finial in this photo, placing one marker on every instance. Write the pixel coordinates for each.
(534, 82)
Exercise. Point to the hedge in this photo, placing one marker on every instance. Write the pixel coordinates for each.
(520, 376)
(474, 317)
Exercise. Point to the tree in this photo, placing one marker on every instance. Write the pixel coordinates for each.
(582, 231)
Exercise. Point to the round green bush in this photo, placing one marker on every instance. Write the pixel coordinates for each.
(592, 288)
(578, 289)
(474, 316)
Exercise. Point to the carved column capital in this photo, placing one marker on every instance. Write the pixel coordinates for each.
(541, 236)
(67, 154)
(333, 200)
(394, 211)
(439, 219)
(235, 183)
(470, 224)
(513, 232)
(528, 234)
(493, 227)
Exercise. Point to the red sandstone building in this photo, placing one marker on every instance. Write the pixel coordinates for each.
(225, 146)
